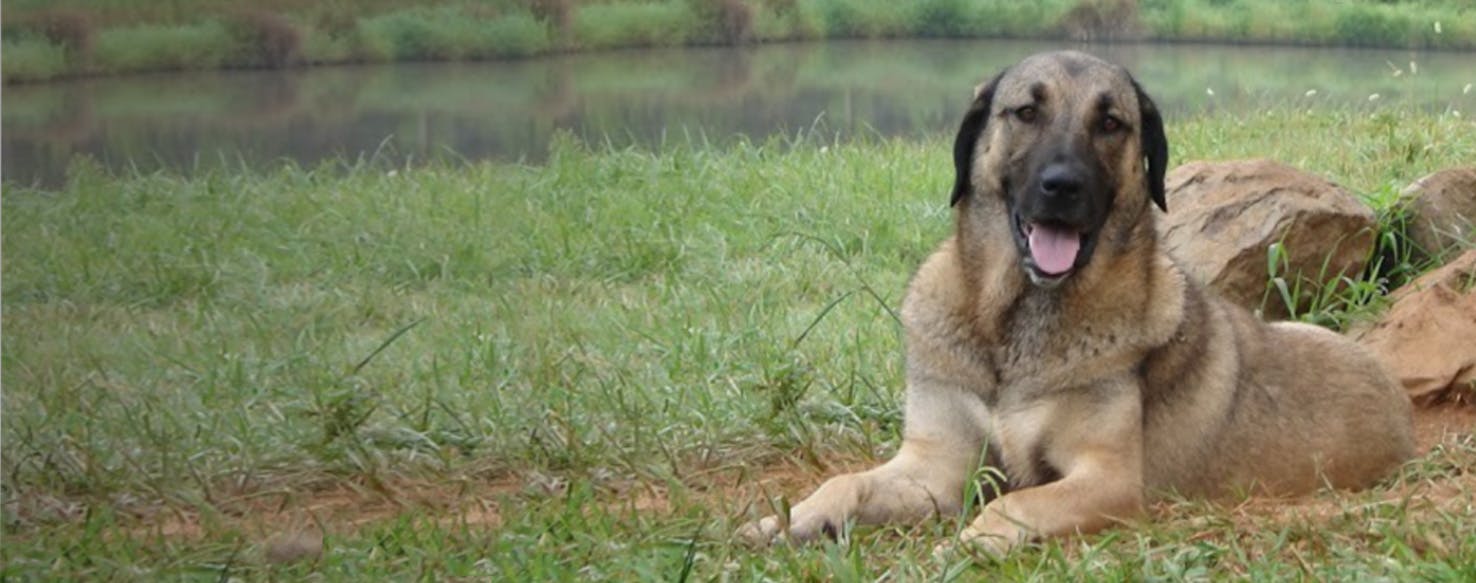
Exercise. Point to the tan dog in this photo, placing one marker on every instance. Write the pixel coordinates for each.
(1052, 337)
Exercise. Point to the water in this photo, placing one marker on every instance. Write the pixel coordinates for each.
(511, 110)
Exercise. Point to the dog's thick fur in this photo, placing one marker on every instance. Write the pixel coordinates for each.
(1096, 388)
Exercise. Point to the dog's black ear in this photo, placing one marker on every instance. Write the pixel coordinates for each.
(968, 138)
(1155, 146)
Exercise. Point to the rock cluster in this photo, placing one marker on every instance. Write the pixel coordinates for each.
(1225, 218)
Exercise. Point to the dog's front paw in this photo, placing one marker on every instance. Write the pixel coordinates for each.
(802, 527)
(992, 534)
(761, 532)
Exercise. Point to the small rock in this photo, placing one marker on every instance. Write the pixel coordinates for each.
(1427, 339)
(291, 547)
(1223, 217)
(1442, 210)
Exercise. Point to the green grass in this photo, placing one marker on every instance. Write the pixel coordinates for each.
(149, 35)
(33, 59)
(609, 355)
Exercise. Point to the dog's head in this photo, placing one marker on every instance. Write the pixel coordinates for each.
(1066, 141)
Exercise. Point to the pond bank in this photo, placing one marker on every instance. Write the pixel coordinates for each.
(510, 110)
(50, 40)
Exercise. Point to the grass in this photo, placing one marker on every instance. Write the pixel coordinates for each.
(594, 368)
(97, 37)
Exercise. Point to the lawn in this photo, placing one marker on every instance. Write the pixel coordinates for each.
(594, 368)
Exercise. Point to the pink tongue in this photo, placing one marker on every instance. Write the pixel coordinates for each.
(1053, 249)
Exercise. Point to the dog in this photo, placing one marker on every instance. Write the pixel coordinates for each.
(1052, 338)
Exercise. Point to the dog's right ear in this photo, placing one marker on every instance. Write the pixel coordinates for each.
(968, 138)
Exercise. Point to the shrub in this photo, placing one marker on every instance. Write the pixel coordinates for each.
(513, 35)
(734, 20)
(448, 33)
(74, 31)
(1369, 26)
(559, 16)
(158, 47)
(944, 18)
(864, 18)
(31, 59)
(268, 39)
(640, 24)
(1093, 20)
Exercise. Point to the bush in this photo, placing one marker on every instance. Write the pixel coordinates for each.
(267, 39)
(944, 18)
(513, 35)
(448, 33)
(32, 59)
(1095, 20)
(559, 16)
(864, 18)
(640, 24)
(1369, 26)
(158, 48)
(74, 31)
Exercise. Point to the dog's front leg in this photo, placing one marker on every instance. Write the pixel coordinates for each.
(940, 449)
(1097, 448)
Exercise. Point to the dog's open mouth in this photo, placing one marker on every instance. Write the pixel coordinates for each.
(1052, 250)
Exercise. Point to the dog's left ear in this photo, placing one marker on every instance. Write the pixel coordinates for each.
(968, 139)
(1155, 146)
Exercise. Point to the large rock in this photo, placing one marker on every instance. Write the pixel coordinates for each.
(1428, 337)
(1442, 210)
(1224, 216)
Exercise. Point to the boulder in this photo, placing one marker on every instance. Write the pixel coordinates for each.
(1427, 339)
(1224, 216)
(1442, 210)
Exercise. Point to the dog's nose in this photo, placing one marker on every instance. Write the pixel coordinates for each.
(1060, 181)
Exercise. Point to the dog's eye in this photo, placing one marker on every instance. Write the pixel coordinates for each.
(1110, 125)
(1026, 113)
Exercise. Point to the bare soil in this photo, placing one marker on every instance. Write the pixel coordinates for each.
(288, 518)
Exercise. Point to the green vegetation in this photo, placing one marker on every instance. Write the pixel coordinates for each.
(77, 37)
(594, 368)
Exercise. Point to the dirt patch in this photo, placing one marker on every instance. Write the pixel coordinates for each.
(740, 491)
(1434, 424)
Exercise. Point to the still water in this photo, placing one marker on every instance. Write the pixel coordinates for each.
(510, 110)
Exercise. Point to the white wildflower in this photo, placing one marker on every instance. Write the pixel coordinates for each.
(1310, 93)
(1373, 97)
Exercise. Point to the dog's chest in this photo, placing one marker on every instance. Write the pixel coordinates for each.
(1043, 349)
(1020, 438)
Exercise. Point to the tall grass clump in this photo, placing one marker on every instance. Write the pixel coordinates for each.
(205, 45)
(1352, 23)
(635, 24)
(32, 59)
(865, 18)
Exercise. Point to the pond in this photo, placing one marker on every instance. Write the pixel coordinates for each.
(510, 110)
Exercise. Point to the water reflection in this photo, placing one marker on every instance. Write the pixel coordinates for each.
(510, 110)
